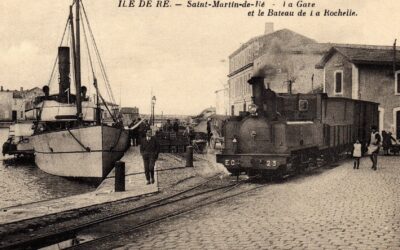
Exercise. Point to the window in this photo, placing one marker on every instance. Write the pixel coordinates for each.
(397, 83)
(339, 82)
(303, 105)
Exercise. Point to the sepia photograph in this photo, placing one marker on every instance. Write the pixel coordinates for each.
(173, 124)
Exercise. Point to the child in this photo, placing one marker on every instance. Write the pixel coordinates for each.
(357, 154)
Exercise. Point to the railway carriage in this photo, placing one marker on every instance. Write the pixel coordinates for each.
(285, 133)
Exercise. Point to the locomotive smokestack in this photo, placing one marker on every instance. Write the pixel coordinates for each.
(64, 70)
(258, 88)
(265, 99)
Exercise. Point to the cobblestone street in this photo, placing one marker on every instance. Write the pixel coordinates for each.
(338, 208)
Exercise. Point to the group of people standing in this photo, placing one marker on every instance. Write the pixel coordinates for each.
(169, 127)
(373, 146)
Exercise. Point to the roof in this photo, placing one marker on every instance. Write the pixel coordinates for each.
(129, 110)
(362, 54)
(18, 94)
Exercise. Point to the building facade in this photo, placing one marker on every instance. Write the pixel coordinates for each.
(365, 73)
(13, 104)
(222, 101)
(280, 57)
(129, 114)
(6, 105)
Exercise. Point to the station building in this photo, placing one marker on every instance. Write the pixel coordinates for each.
(279, 56)
(364, 72)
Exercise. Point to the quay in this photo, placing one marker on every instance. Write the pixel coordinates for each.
(103, 194)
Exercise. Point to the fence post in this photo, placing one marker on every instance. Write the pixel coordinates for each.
(119, 176)
(189, 156)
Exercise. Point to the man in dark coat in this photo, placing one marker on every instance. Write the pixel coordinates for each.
(175, 126)
(141, 130)
(209, 134)
(149, 149)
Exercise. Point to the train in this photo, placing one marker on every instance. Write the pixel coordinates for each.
(283, 133)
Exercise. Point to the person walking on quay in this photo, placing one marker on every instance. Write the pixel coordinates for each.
(133, 132)
(149, 149)
(357, 154)
(209, 134)
(387, 139)
(373, 146)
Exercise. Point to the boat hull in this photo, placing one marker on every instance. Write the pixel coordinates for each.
(87, 152)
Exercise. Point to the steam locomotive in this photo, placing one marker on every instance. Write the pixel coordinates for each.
(285, 133)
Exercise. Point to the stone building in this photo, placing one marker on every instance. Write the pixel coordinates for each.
(222, 101)
(12, 104)
(365, 73)
(129, 114)
(6, 105)
(279, 56)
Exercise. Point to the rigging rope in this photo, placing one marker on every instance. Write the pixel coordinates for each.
(87, 46)
(88, 51)
(102, 68)
(55, 61)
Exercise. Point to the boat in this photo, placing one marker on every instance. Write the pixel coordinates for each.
(70, 138)
(18, 142)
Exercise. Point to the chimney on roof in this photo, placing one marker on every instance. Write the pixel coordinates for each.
(1, 88)
(269, 28)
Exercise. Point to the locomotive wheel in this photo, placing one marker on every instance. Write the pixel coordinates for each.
(251, 173)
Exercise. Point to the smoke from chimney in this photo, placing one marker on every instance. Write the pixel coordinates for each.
(269, 28)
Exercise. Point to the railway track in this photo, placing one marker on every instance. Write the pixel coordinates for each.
(200, 202)
(174, 204)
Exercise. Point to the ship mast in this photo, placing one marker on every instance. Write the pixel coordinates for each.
(78, 65)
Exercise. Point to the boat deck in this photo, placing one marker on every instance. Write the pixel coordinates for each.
(135, 185)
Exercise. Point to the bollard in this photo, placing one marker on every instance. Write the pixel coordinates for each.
(119, 176)
(189, 156)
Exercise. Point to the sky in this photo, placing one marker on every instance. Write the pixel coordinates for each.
(178, 54)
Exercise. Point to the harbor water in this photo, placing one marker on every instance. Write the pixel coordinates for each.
(25, 183)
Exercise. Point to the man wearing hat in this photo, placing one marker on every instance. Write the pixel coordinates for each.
(149, 150)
